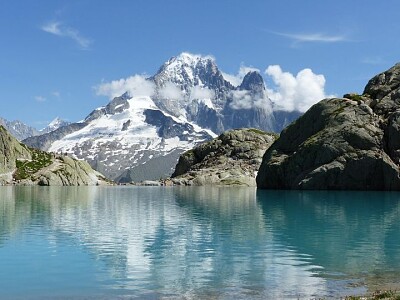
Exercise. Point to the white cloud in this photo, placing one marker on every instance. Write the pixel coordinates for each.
(136, 85)
(233, 79)
(242, 99)
(237, 79)
(313, 37)
(201, 93)
(58, 29)
(56, 94)
(170, 91)
(40, 99)
(298, 92)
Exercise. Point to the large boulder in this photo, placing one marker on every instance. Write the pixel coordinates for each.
(233, 158)
(349, 143)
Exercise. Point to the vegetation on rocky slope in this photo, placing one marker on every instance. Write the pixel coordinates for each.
(27, 168)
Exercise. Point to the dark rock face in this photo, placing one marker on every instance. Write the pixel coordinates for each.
(44, 141)
(206, 117)
(153, 169)
(167, 127)
(253, 81)
(126, 125)
(117, 105)
(230, 159)
(348, 143)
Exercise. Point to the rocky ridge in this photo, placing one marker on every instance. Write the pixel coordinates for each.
(22, 131)
(22, 165)
(349, 143)
(232, 158)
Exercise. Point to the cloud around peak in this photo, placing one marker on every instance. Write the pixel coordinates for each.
(288, 92)
(58, 29)
(295, 92)
(237, 79)
(136, 85)
(284, 91)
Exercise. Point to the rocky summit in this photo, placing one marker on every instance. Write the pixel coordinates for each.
(232, 158)
(22, 165)
(349, 143)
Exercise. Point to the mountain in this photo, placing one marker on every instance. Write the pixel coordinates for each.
(22, 165)
(137, 137)
(209, 100)
(349, 143)
(53, 125)
(128, 133)
(18, 129)
(233, 158)
(22, 131)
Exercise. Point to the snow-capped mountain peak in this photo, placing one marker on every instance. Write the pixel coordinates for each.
(186, 59)
(54, 125)
(187, 70)
(56, 122)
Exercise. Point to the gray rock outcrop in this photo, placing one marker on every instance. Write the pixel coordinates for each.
(349, 143)
(233, 158)
(22, 165)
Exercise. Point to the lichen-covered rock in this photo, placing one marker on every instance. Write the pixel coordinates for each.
(22, 165)
(350, 143)
(232, 158)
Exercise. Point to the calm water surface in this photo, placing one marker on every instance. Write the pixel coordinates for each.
(214, 243)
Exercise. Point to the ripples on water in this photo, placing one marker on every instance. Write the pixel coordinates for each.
(106, 242)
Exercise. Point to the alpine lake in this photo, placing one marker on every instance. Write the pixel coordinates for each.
(196, 243)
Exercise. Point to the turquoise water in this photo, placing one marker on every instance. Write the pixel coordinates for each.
(185, 243)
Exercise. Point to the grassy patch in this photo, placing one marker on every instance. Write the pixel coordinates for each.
(353, 96)
(389, 295)
(232, 182)
(258, 131)
(26, 168)
(255, 130)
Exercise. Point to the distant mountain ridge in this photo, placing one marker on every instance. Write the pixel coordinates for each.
(138, 137)
(22, 131)
(18, 129)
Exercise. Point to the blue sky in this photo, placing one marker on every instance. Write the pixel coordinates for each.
(53, 53)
